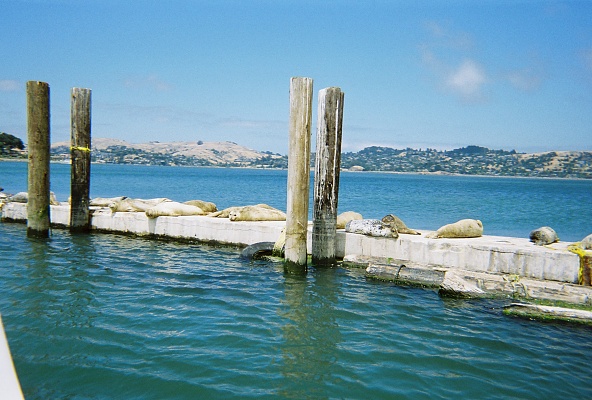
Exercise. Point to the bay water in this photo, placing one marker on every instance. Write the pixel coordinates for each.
(105, 316)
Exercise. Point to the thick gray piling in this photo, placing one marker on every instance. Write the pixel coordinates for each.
(298, 174)
(80, 115)
(38, 144)
(326, 183)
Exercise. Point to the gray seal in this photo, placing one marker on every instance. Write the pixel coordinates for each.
(397, 224)
(371, 227)
(543, 235)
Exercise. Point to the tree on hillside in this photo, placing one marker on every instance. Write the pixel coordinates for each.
(9, 142)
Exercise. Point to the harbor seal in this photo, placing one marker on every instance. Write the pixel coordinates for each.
(345, 217)
(394, 221)
(465, 228)
(23, 197)
(586, 242)
(226, 212)
(256, 213)
(543, 235)
(135, 205)
(207, 206)
(173, 209)
(104, 201)
(371, 227)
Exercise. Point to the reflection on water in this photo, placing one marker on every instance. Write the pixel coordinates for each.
(107, 316)
(311, 335)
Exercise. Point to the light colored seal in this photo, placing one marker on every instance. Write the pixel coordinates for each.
(370, 227)
(135, 205)
(104, 201)
(173, 209)
(345, 217)
(543, 235)
(226, 212)
(207, 206)
(465, 228)
(23, 197)
(395, 222)
(256, 213)
(586, 242)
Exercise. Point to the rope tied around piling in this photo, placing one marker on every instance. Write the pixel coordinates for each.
(585, 271)
(86, 149)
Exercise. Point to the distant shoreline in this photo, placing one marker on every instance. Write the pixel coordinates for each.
(438, 173)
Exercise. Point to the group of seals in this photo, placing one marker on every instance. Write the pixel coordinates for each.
(345, 217)
(159, 207)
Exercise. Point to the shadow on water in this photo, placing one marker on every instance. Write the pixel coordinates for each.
(311, 334)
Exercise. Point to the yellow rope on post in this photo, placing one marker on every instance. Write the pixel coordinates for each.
(584, 273)
(80, 148)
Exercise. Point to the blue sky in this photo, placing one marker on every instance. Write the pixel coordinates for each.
(439, 74)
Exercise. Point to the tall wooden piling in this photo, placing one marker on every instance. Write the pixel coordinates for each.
(38, 144)
(298, 174)
(80, 115)
(326, 183)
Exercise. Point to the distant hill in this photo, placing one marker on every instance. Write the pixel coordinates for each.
(227, 154)
(470, 160)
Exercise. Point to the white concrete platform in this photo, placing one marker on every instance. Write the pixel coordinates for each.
(487, 254)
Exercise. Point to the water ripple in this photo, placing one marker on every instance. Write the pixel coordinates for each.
(102, 316)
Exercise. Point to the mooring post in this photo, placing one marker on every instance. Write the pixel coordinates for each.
(298, 174)
(38, 143)
(326, 183)
(80, 115)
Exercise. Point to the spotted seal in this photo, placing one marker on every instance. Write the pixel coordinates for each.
(345, 217)
(543, 235)
(371, 227)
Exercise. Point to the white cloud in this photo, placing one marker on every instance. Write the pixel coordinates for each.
(445, 54)
(9, 85)
(467, 80)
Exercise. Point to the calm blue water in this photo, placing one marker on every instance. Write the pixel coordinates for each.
(107, 316)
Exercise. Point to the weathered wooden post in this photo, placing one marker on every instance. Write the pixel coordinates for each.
(38, 143)
(80, 115)
(298, 174)
(326, 183)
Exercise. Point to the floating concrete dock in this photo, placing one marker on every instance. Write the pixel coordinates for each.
(509, 266)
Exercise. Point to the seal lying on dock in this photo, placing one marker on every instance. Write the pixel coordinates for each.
(395, 222)
(135, 205)
(23, 197)
(586, 242)
(105, 201)
(256, 213)
(371, 227)
(238, 215)
(543, 235)
(173, 209)
(207, 206)
(465, 228)
(345, 217)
